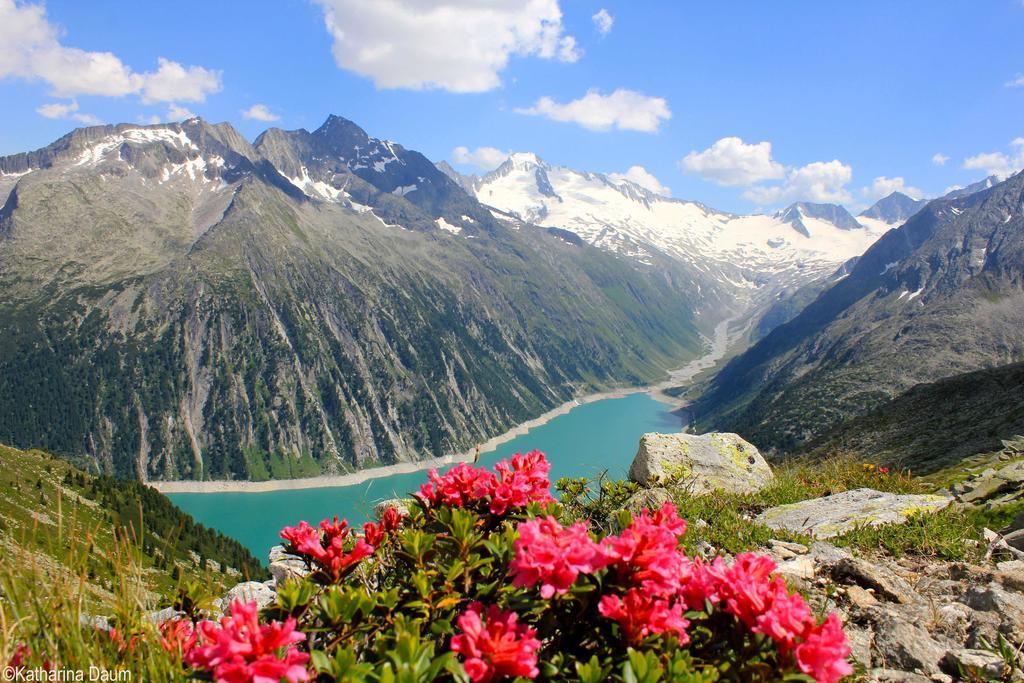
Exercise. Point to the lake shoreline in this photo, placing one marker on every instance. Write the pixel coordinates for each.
(718, 346)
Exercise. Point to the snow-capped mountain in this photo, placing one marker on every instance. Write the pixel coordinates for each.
(749, 256)
(894, 209)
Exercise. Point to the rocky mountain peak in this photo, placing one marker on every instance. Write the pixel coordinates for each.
(798, 213)
(894, 209)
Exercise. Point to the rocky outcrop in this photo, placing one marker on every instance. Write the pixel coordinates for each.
(998, 485)
(701, 464)
(841, 512)
(915, 619)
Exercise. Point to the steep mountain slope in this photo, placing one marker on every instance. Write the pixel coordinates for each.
(741, 262)
(66, 520)
(178, 303)
(941, 295)
(894, 209)
(918, 429)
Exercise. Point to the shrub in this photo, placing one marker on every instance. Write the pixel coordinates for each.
(485, 577)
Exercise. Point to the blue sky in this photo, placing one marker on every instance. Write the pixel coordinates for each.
(842, 94)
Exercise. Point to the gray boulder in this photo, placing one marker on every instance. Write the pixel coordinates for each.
(283, 565)
(249, 591)
(836, 514)
(703, 464)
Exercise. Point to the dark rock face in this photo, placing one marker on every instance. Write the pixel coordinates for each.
(941, 295)
(895, 208)
(178, 303)
(833, 213)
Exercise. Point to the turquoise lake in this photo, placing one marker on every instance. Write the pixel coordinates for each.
(586, 441)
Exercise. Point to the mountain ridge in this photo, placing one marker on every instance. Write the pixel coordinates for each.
(938, 296)
(177, 309)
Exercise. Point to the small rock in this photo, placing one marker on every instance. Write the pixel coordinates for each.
(895, 676)
(284, 565)
(703, 464)
(795, 548)
(401, 504)
(860, 598)
(836, 514)
(1008, 605)
(797, 568)
(826, 554)
(906, 646)
(249, 591)
(885, 582)
(860, 644)
(976, 663)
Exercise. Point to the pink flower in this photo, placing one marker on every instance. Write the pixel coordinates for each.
(824, 651)
(553, 555)
(494, 645)
(746, 589)
(647, 552)
(787, 619)
(376, 532)
(239, 649)
(177, 636)
(327, 546)
(523, 481)
(640, 615)
(458, 487)
(705, 583)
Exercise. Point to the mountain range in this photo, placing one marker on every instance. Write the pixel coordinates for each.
(180, 303)
(940, 296)
(742, 263)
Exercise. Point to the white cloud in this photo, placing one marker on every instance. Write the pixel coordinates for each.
(642, 177)
(819, 181)
(998, 164)
(603, 21)
(178, 113)
(456, 45)
(939, 159)
(172, 81)
(486, 158)
(30, 49)
(1016, 82)
(260, 112)
(730, 161)
(883, 187)
(66, 110)
(622, 109)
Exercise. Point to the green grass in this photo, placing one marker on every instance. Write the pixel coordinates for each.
(730, 517)
(51, 514)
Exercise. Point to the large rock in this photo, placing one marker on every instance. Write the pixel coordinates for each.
(249, 591)
(836, 514)
(284, 565)
(703, 464)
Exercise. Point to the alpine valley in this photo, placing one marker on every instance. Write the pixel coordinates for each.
(180, 303)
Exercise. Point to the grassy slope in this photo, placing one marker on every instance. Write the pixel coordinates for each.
(922, 430)
(60, 521)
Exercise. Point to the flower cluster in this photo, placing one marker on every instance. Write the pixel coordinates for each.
(178, 637)
(327, 546)
(654, 584)
(647, 561)
(240, 649)
(376, 533)
(495, 645)
(554, 556)
(514, 484)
